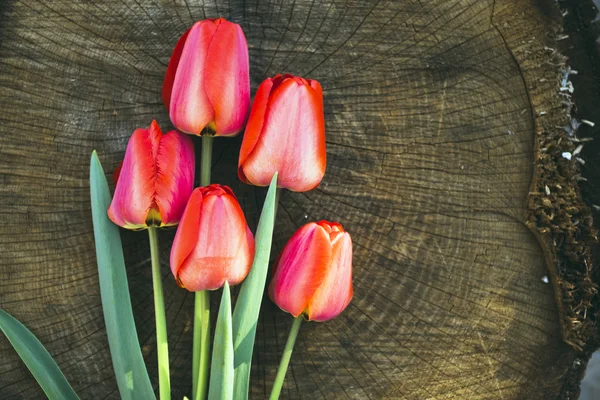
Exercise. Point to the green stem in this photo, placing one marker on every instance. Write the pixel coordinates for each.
(201, 349)
(285, 359)
(206, 160)
(161, 322)
(201, 346)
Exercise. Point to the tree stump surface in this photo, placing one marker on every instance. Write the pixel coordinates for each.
(437, 112)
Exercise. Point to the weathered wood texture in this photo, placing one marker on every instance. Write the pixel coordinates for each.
(420, 97)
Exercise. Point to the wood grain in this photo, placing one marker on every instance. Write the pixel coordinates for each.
(431, 130)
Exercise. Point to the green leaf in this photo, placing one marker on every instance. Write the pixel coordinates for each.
(36, 357)
(128, 363)
(221, 369)
(247, 307)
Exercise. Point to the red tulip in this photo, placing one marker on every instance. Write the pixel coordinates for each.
(313, 274)
(285, 133)
(154, 180)
(207, 84)
(213, 243)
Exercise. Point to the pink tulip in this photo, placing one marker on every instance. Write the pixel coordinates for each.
(154, 181)
(313, 274)
(207, 84)
(213, 243)
(285, 134)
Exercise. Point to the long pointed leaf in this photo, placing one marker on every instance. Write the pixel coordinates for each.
(221, 369)
(128, 363)
(247, 307)
(36, 357)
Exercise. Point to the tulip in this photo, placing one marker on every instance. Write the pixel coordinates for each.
(155, 179)
(207, 83)
(152, 186)
(285, 134)
(313, 275)
(213, 243)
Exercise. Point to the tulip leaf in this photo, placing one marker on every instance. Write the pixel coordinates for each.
(247, 307)
(36, 358)
(128, 363)
(221, 370)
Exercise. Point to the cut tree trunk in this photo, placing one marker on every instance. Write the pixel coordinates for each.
(441, 142)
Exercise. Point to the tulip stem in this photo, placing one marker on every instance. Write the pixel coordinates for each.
(161, 323)
(201, 343)
(206, 160)
(285, 358)
(201, 347)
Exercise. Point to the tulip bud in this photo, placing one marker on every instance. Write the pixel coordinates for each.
(207, 83)
(285, 134)
(213, 243)
(313, 274)
(155, 179)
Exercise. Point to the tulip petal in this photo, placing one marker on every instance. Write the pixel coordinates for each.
(301, 269)
(117, 172)
(134, 192)
(190, 108)
(317, 98)
(227, 78)
(224, 246)
(335, 292)
(292, 140)
(187, 233)
(255, 124)
(174, 176)
(172, 69)
(317, 87)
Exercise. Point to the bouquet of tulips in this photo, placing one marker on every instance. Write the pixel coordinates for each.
(206, 91)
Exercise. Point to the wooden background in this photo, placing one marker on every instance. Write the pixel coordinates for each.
(432, 108)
